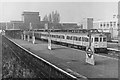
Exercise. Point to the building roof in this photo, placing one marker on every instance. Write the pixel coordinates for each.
(30, 13)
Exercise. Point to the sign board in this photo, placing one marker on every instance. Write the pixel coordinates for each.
(90, 56)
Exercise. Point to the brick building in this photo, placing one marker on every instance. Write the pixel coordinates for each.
(32, 18)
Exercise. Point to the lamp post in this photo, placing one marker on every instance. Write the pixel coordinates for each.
(33, 37)
(49, 39)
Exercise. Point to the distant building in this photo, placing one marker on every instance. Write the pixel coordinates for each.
(107, 26)
(17, 24)
(31, 17)
(3, 25)
(87, 23)
(119, 22)
(69, 25)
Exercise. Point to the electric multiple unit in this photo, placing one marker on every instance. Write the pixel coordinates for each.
(79, 40)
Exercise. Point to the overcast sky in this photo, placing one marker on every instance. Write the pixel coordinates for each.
(69, 11)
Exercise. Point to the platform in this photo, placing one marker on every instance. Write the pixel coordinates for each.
(72, 60)
(113, 46)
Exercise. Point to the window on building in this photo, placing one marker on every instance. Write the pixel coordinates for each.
(101, 25)
(107, 25)
(114, 23)
(104, 24)
(110, 23)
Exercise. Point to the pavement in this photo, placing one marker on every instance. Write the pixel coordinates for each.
(72, 60)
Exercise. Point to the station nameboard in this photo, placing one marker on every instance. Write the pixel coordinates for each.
(90, 56)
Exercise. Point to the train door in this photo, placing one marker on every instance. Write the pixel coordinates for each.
(103, 42)
(96, 42)
(92, 41)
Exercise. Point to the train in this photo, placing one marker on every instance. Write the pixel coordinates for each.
(75, 39)
(72, 38)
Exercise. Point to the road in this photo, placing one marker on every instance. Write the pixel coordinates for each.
(73, 60)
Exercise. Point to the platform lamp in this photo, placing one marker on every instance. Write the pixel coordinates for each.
(33, 36)
(29, 29)
(49, 39)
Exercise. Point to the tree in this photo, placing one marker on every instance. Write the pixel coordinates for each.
(53, 17)
(45, 18)
(50, 18)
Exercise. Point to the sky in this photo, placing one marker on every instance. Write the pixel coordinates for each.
(69, 11)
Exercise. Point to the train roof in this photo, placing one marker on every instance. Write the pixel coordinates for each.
(93, 34)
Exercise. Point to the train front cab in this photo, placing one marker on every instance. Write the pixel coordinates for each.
(99, 43)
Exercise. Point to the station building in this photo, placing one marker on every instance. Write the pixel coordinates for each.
(32, 18)
(86, 23)
(110, 26)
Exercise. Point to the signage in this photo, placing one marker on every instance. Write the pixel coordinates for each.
(90, 56)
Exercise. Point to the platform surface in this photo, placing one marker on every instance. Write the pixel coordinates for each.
(113, 46)
(73, 60)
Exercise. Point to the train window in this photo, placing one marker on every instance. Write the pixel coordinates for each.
(86, 40)
(96, 39)
(58, 36)
(74, 38)
(83, 39)
(79, 38)
(68, 37)
(52, 35)
(104, 39)
(92, 40)
(71, 37)
(100, 39)
(62, 37)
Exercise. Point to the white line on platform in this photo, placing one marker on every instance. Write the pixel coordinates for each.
(75, 73)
